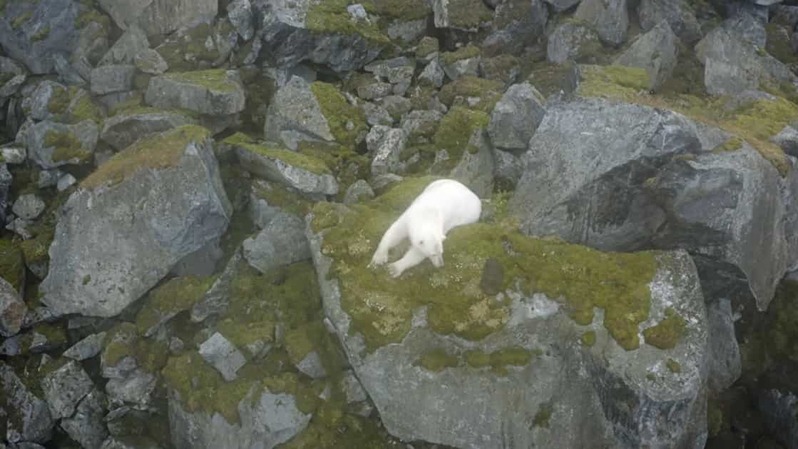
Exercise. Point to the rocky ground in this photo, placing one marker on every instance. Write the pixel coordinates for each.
(191, 190)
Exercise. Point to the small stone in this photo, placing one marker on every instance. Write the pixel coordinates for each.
(87, 348)
(28, 206)
(357, 11)
(65, 387)
(13, 154)
(787, 139)
(12, 309)
(151, 62)
(359, 191)
(66, 181)
(281, 242)
(222, 355)
(312, 366)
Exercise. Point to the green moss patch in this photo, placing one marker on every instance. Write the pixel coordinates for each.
(488, 91)
(466, 52)
(66, 147)
(347, 123)
(588, 338)
(12, 269)
(124, 341)
(455, 131)
(159, 151)
(213, 79)
(174, 296)
(292, 158)
(331, 16)
(437, 360)
(668, 332)
(543, 415)
(468, 14)
(499, 360)
(404, 10)
(381, 307)
(673, 366)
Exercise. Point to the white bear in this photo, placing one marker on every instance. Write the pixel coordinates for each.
(444, 204)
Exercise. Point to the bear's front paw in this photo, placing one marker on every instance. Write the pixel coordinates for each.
(395, 270)
(378, 259)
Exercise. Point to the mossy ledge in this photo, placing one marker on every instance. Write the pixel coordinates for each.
(292, 158)
(213, 79)
(347, 123)
(159, 151)
(381, 308)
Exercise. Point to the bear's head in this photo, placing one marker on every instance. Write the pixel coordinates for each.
(428, 239)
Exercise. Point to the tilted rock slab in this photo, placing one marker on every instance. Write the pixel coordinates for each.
(126, 127)
(446, 362)
(214, 92)
(160, 16)
(132, 220)
(26, 417)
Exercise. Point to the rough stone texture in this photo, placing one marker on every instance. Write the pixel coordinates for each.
(186, 207)
(124, 51)
(462, 67)
(159, 16)
(28, 206)
(725, 364)
(280, 242)
(38, 101)
(360, 190)
(615, 186)
(12, 309)
(222, 355)
(151, 62)
(568, 42)
(87, 426)
(46, 142)
(201, 262)
(464, 15)
(112, 78)
(13, 153)
(12, 86)
(655, 51)
(732, 65)
(210, 92)
(750, 28)
(131, 387)
(386, 145)
(476, 169)
(516, 117)
(516, 25)
(124, 128)
(33, 32)
(604, 391)
(26, 417)
(787, 139)
(312, 366)
(779, 409)
(433, 74)
(5, 184)
(276, 170)
(507, 169)
(240, 14)
(294, 115)
(288, 41)
(265, 422)
(86, 348)
(65, 387)
(562, 5)
(678, 14)
(609, 17)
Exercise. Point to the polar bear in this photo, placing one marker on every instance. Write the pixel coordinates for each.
(444, 204)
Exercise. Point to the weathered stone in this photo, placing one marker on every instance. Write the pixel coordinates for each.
(655, 51)
(280, 242)
(571, 41)
(222, 355)
(52, 144)
(374, 90)
(124, 51)
(28, 206)
(201, 262)
(748, 26)
(507, 169)
(126, 127)
(678, 14)
(386, 145)
(516, 25)
(134, 387)
(779, 409)
(725, 364)
(12, 309)
(466, 15)
(295, 115)
(397, 106)
(458, 68)
(213, 92)
(87, 348)
(397, 71)
(360, 190)
(475, 168)
(186, 207)
(376, 114)
(151, 62)
(200, 47)
(65, 387)
(787, 139)
(12, 86)
(516, 116)
(112, 78)
(420, 123)
(87, 426)
(13, 154)
(5, 184)
(38, 102)
(352, 389)
(312, 366)
(609, 17)
(562, 5)
(240, 14)
(159, 16)
(26, 417)
(432, 75)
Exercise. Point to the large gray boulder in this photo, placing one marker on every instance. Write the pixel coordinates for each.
(625, 177)
(516, 117)
(465, 357)
(295, 115)
(610, 18)
(128, 126)
(678, 14)
(154, 202)
(655, 51)
(214, 92)
(160, 16)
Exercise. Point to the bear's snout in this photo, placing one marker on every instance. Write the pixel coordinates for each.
(437, 260)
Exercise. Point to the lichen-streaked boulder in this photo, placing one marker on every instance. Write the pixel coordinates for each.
(466, 15)
(516, 339)
(159, 16)
(679, 15)
(322, 32)
(571, 41)
(24, 416)
(33, 32)
(654, 51)
(12, 309)
(301, 172)
(215, 92)
(516, 117)
(516, 24)
(281, 242)
(52, 144)
(609, 17)
(128, 126)
(154, 202)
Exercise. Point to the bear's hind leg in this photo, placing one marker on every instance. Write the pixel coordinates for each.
(392, 237)
(411, 258)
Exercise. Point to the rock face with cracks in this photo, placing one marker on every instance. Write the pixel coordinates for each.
(154, 202)
(544, 353)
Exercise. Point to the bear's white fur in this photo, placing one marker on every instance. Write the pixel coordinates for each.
(444, 204)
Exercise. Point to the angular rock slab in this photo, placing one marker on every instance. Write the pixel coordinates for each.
(616, 398)
(12, 309)
(126, 127)
(213, 92)
(294, 115)
(159, 16)
(655, 51)
(154, 203)
(29, 418)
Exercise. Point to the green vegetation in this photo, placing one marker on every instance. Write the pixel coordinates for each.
(213, 79)
(668, 332)
(588, 338)
(12, 268)
(331, 16)
(437, 360)
(41, 34)
(292, 158)
(174, 296)
(455, 130)
(466, 52)
(488, 91)
(543, 415)
(501, 359)
(347, 123)
(66, 147)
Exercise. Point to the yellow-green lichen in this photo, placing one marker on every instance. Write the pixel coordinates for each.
(174, 296)
(12, 268)
(347, 123)
(21, 19)
(427, 46)
(345, 162)
(214, 79)
(404, 10)
(543, 415)
(59, 100)
(331, 16)
(468, 14)
(673, 366)
(292, 158)
(778, 43)
(617, 82)
(732, 144)
(437, 360)
(381, 308)
(124, 341)
(66, 147)
(668, 332)
(41, 34)
(487, 91)
(159, 151)
(466, 52)
(588, 338)
(455, 131)
(279, 196)
(499, 360)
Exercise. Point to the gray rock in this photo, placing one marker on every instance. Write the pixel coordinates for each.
(38, 102)
(476, 169)
(562, 5)
(507, 169)
(5, 184)
(64, 182)
(749, 27)
(112, 78)
(125, 13)
(134, 387)
(725, 364)
(517, 24)
(397, 71)
(779, 409)
(32, 32)
(266, 420)
(278, 167)
(124, 51)
(186, 208)
(87, 426)
(463, 15)
(53, 145)
(516, 116)
(386, 146)
(312, 366)
(126, 127)
(374, 90)
(376, 114)
(135, 442)
(352, 389)
(151, 62)
(26, 417)
(594, 389)
(13, 154)
(407, 31)
(217, 298)
(609, 17)
(159, 16)
(290, 40)
(461, 67)
(359, 191)
(678, 14)
(280, 242)
(65, 387)
(432, 75)
(222, 355)
(570, 41)
(87, 348)
(12, 86)
(655, 51)
(732, 65)
(214, 92)
(201, 262)
(420, 123)
(396, 106)
(239, 12)
(12, 309)
(294, 115)
(787, 139)
(28, 206)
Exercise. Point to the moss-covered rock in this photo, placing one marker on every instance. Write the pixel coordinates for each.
(347, 122)
(487, 93)
(455, 132)
(167, 300)
(331, 16)
(12, 268)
